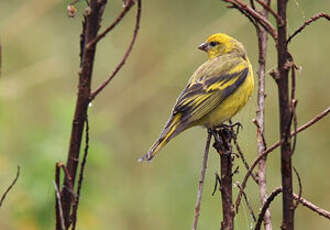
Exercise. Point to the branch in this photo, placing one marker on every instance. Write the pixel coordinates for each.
(81, 177)
(247, 203)
(113, 25)
(260, 118)
(306, 23)
(201, 180)
(300, 187)
(122, 62)
(269, 9)
(266, 206)
(60, 223)
(90, 29)
(241, 155)
(3, 197)
(312, 206)
(257, 16)
(272, 148)
(223, 137)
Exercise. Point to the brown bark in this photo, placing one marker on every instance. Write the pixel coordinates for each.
(92, 20)
(285, 118)
(223, 138)
(262, 183)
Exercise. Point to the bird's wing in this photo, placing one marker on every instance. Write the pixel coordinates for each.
(204, 94)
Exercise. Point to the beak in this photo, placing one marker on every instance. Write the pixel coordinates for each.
(203, 46)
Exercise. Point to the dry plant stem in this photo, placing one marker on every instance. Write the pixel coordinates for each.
(4, 195)
(298, 198)
(92, 25)
(255, 15)
(300, 187)
(226, 192)
(241, 155)
(268, 8)
(270, 149)
(81, 177)
(127, 53)
(201, 181)
(306, 23)
(247, 203)
(0, 59)
(224, 148)
(113, 25)
(261, 144)
(266, 206)
(60, 224)
(312, 206)
(285, 119)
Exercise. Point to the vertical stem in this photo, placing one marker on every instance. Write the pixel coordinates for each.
(201, 181)
(90, 31)
(285, 118)
(222, 144)
(262, 43)
(226, 165)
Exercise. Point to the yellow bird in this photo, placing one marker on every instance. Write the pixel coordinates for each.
(217, 90)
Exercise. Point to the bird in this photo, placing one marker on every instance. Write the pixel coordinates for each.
(215, 92)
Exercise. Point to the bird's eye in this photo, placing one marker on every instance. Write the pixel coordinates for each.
(213, 43)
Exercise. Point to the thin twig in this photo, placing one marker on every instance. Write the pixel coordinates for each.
(201, 180)
(252, 4)
(272, 148)
(3, 197)
(128, 51)
(59, 203)
(217, 181)
(257, 16)
(247, 203)
(241, 155)
(294, 105)
(312, 206)
(81, 177)
(300, 187)
(306, 23)
(0, 59)
(269, 9)
(113, 25)
(266, 206)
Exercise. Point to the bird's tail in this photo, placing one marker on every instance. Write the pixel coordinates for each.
(172, 128)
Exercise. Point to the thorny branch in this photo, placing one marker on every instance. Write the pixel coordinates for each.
(272, 148)
(306, 23)
(201, 180)
(4, 195)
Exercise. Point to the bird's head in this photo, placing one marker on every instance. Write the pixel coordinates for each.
(220, 44)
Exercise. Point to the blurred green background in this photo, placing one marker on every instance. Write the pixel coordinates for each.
(37, 97)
